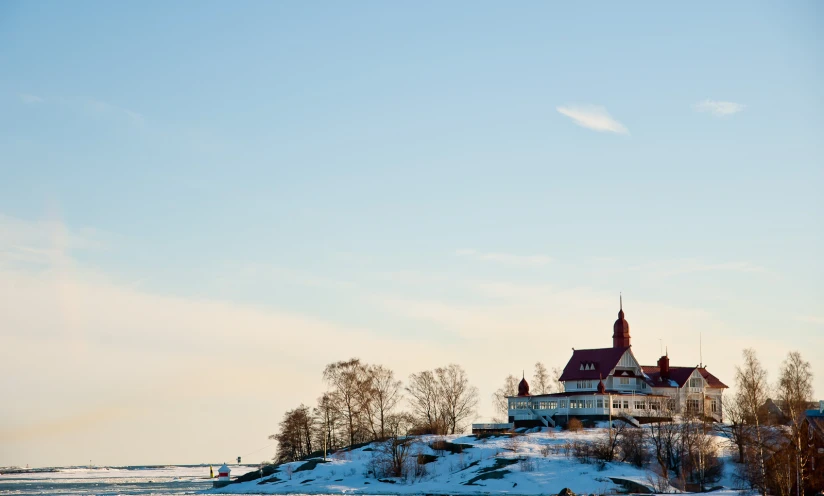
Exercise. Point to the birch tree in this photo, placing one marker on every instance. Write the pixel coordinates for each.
(752, 391)
(346, 380)
(541, 382)
(424, 401)
(509, 388)
(459, 399)
(385, 393)
(795, 392)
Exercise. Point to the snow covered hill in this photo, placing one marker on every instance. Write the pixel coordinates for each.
(541, 462)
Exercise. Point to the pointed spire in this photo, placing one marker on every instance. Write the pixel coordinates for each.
(620, 301)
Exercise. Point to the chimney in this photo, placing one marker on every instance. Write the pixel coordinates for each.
(663, 366)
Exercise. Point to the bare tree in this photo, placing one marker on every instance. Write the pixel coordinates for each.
(327, 422)
(294, 437)
(698, 455)
(346, 380)
(392, 455)
(664, 437)
(424, 401)
(557, 385)
(541, 383)
(736, 430)
(510, 388)
(459, 399)
(605, 448)
(751, 385)
(385, 394)
(795, 391)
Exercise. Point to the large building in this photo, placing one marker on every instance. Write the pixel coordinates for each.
(610, 382)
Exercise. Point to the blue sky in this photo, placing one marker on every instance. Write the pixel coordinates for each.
(423, 177)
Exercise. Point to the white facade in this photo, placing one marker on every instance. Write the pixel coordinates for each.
(629, 391)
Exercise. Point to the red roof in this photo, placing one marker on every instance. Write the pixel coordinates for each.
(679, 376)
(597, 363)
(712, 381)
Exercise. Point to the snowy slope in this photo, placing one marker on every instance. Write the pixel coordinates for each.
(548, 469)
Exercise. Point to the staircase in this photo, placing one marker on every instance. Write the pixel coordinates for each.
(548, 422)
(629, 418)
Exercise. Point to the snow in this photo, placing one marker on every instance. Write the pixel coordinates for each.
(543, 473)
(73, 481)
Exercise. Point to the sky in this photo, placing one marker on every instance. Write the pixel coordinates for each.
(203, 203)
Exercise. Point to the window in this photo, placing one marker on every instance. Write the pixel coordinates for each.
(589, 403)
(640, 405)
(714, 406)
(584, 384)
(625, 381)
(693, 406)
(553, 405)
(626, 404)
(643, 385)
(654, 405)
(563, 403)
(696, 382)
(599, 403)
(616, 404)
(671, 405)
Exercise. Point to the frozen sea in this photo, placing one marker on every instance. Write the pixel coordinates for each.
(111, 481)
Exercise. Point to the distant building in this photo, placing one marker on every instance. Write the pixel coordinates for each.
(814, 425)
(603, 382)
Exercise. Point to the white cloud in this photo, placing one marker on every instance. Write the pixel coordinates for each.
(27, 98)
(506, 258)
(718, 108)
(593, 117)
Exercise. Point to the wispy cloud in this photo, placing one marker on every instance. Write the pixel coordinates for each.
(718, 108)
(30, 99)
(593, 117)
(678, 267)
(506, 258)
(101, 107)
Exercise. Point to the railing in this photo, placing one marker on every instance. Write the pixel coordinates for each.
(490, 427)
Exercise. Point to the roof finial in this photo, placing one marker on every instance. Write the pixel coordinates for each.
(523, 374)
(620, 301)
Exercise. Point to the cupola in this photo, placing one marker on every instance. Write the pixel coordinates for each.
(523, 388)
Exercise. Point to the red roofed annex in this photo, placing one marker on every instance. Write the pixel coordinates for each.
(604, 383)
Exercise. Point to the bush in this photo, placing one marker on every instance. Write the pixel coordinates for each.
(574, 425)
(583, 451)
(634, 448)
(602, 451)
(527, 464)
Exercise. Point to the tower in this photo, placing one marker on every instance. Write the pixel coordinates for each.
(620, 330)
